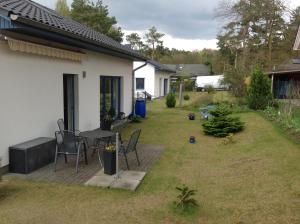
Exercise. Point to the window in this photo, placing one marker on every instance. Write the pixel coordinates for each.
(140, 83)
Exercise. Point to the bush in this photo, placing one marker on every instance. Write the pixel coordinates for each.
(185, 198)
(222, 125)
(186, 97)
(209, 89)
(171, 100)
(259, 94)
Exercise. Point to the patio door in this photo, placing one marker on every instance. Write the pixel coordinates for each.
(110, 94)
(165, 87)
(69, 101)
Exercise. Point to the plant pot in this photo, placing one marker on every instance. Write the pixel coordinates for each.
(192, 140)
(109, 159)
(192, 117)
(106, 125)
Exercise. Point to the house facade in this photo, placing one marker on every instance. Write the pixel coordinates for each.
(286, 77)
(53, 67)
(154, 78)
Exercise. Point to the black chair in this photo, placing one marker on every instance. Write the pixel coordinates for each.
(68, 144)
(131, 146)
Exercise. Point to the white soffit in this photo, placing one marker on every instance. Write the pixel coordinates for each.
(31, 48)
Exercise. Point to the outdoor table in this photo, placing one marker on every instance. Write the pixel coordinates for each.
(97, 135)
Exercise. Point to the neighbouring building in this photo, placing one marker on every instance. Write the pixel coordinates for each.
(53, 67)
(153, 77)
(189, 70)
(286, 78)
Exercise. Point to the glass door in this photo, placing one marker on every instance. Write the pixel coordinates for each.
(110, 95)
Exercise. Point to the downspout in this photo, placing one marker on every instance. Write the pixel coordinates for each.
(133, 89)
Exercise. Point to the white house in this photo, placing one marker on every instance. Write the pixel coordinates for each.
(153, 77)
(52, 67)
(213, 80)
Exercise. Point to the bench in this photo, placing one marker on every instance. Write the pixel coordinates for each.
(31, 155)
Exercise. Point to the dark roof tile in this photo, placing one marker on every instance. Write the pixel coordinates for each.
(33, 11)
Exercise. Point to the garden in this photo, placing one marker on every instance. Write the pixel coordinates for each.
(249, 176)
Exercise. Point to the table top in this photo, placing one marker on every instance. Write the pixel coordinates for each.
(97, 134)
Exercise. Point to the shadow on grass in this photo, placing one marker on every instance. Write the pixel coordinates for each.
(7, 191)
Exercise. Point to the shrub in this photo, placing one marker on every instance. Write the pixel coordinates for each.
(222, 125)
(259, 93)
(136, 119)
(185, 199)
(186, 97)
(209, 89)
(171, 100)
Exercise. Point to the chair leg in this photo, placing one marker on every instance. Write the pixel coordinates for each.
(85, 153)
(137, 157)
(126, 160)
(78, 155)
(66, 158)
(55, 159)
(99, 157)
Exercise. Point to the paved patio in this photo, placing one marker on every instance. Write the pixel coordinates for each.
(66, 173)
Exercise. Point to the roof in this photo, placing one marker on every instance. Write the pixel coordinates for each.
(29, 12)
(297, 41)
(192, 70)
(291, 66)
(161, 67)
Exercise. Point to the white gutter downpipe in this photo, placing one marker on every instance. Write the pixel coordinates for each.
(133, 88)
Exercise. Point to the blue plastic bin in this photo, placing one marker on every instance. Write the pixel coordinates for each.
(140, 108)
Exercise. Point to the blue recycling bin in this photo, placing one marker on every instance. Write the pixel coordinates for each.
(140, 107)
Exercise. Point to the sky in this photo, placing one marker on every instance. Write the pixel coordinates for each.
(187, 25)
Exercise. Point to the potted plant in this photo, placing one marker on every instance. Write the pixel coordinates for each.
(191, 116)
(109, 158)
(192, 139)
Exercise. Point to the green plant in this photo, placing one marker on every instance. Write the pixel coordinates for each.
(171, 100)
(184, 199)
(110, 148)
(136, 119)
(186, 97)
(209, 88)
(112, 112)
(221, 125)
(259, 93)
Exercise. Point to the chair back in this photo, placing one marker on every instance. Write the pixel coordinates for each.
(134, 138)
(66, 142)
(61, 126)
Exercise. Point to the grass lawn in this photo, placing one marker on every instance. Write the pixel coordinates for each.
(254, 180)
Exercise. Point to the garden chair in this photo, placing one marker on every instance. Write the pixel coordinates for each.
(68, 144)
(131, 146)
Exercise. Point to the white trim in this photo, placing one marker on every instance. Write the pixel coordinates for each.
(297, 41)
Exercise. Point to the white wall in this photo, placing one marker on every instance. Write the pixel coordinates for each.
(159, 83)
(31, 93)
(147, 73)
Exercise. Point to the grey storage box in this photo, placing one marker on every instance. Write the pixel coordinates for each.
(31, 155)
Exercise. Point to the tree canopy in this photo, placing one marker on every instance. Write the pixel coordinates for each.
(96, 16)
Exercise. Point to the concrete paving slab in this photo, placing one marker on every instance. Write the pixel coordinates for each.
(133, 175)
(126, 184)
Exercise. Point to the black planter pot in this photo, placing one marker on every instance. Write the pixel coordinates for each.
(106, 125)
(192, 140)
(192, 117)
(109, 158)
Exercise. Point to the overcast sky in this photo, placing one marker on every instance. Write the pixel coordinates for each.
(188, 24)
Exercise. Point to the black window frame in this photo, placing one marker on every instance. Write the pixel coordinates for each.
(136, 83)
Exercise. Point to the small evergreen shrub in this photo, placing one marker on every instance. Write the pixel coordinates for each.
(136, 119)
(209, 89)
(171, 100)
(186, 97)
(221, 124)
(259, 93)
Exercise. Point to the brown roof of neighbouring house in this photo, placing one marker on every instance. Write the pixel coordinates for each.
(29, 11)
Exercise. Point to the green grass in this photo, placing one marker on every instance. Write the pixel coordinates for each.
(253, 180)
